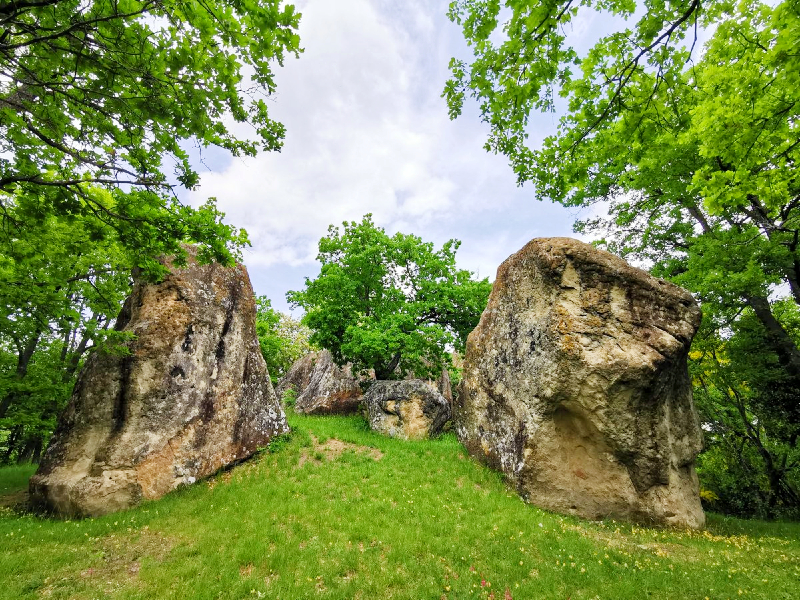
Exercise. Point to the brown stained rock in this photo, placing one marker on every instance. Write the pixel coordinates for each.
(193, 396)
(410, 409)
(576, 386)
(331, 390)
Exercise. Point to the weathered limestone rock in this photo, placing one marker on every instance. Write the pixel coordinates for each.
(440, 384)
(298, 376)
(193, 396)
(331, 390)
(411, 410)
(576, 386)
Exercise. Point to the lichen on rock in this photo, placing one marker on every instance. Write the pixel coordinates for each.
(409, 409)
(191, 396)
(576, 386)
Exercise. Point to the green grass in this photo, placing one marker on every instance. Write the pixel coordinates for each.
(421, 521)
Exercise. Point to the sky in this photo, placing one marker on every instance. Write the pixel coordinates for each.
(368, 132)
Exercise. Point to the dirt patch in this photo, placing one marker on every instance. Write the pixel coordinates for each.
(119, 561)
(333, 449)
(14, 500)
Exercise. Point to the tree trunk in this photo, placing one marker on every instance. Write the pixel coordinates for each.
(781, 342)
(23, 360)
(31, 451)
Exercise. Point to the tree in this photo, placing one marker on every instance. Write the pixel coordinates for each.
(99, 100)
(695, 158)
(389, 303)
(282, 338)
(108, 93)
(61, 286)
(752, 461)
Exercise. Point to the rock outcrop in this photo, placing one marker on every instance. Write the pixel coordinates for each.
(576, 386)
(410, 409)
(331, 389)
(298, 376)
(192, 395)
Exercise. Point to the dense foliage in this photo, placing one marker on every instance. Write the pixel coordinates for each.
(695, 156)
(282, 338)
(109, 92)
(61, 286)
(100, 101)
(390, 303)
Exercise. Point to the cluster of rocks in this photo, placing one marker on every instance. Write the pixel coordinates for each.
(575, 385)
(410, 409)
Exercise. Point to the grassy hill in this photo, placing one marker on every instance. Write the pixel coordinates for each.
(336, 511)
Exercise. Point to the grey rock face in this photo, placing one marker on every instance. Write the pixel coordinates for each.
(441, 383)
(331, 389)
(411, 410)
(576, 386)
(193, 396)
(298, 376)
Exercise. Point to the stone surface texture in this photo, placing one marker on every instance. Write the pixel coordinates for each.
(298, 376)
(441, 384)
(576, 386)
(331, 389)
(192, 396)
(409, 409)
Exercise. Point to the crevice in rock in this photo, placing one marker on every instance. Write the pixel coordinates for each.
(121, 403)
(186, 346)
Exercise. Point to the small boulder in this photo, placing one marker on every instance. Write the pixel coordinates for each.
(576, 386)
(191, 396)
(410, 410)
(331, 389)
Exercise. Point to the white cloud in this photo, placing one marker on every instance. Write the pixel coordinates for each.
(367, 131)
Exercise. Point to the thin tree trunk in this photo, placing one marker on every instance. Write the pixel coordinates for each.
(23, 360)
(781, 342)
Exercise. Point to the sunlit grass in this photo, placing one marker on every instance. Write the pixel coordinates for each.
(340, 512)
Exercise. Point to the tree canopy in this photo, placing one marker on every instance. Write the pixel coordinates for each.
(394, 304)
(100, 102)
(109, 93)
(61, 288)
(692, 152)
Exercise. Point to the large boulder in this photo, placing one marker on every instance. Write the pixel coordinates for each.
(191, 396)
(409, 409)
(331, 389)
(298, 376)
(576, 386)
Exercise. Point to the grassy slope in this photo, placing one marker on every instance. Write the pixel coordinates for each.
(423, 521)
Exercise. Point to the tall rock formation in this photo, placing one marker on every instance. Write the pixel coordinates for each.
(192, 395)
(576, 386)
(298, 376)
